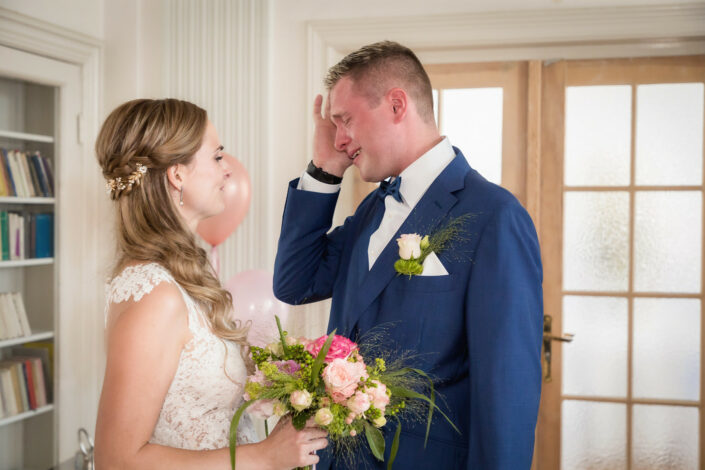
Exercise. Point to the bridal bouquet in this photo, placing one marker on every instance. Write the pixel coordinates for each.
(329, 379)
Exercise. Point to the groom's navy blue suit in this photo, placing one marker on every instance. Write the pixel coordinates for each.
(477, 330)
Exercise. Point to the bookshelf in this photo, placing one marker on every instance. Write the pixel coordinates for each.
(28, 124)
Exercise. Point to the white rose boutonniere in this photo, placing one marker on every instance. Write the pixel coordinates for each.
(410, 245)
(413, 248)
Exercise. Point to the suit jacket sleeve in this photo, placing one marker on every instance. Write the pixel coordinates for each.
(504, 321)
(308, 257)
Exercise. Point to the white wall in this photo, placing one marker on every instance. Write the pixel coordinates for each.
(133, 32)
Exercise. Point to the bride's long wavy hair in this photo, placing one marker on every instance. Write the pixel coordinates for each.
(158, 134)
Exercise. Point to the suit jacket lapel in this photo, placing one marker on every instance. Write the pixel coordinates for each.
(423, 219)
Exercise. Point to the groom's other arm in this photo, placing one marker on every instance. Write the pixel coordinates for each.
(307, 256)
(504, 332)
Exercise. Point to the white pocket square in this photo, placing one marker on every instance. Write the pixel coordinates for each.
(432, 266)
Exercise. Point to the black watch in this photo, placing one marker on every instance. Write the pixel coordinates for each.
(319, 175)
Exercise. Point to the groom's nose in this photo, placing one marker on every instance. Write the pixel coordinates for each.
(342, 139)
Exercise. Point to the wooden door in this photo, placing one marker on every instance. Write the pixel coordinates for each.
(621, 237)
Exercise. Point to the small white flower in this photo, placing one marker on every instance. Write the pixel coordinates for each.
(275, 348)
(409, 246)
(300, 399)
(324, 417)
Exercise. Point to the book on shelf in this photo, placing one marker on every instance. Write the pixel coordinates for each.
(44, 350)
(22, 385)
(13, 316)
(26, 235)
(25, 174)
(7, 174)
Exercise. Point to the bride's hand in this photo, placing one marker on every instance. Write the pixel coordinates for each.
(288, 448)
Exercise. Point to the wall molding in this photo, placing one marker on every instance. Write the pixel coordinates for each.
(519, 27)
(48, 40)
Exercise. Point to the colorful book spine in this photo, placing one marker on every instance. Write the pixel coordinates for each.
(50, 174)
(6, 167)
(4, 190)
(5, 235)
(44, 235)
(41, 177)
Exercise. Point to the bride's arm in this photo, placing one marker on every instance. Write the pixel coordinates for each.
(145, 340)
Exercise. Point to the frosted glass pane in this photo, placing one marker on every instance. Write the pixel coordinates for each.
(593, 436)
(595, 363)
(667, 348)
(472, 120)
(596, 241)
(665, 438)
(667, 241)
(669, 134)
(597, 135)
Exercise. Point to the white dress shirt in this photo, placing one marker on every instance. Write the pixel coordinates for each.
(415, 181)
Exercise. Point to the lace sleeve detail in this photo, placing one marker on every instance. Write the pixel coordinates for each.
(136, 281)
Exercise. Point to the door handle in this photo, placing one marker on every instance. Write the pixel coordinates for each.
(548, 338)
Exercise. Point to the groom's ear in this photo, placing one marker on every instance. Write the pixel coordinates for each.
(174, 174)
(398, 101)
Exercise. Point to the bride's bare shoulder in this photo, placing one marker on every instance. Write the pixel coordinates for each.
(146, 298)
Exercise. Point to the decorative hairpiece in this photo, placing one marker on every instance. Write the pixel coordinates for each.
(120, 184)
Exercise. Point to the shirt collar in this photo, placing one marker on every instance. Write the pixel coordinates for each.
(418, 176)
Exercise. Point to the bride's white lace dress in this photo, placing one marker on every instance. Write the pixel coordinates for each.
(209, 382)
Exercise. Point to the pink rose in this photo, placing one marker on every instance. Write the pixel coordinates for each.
(359, 403)
(378, 395)
(341, 378)
(340, 348)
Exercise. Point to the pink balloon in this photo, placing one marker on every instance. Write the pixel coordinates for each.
(253, 300)
(216, 229)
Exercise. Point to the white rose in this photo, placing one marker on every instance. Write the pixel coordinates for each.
(409, 246)
(276, 348)
(324, 417)
(300, 399)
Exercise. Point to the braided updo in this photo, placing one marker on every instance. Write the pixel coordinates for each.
(138, 142)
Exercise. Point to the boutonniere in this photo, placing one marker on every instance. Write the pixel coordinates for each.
(414, 248)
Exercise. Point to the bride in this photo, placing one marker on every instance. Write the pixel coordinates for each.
(176, 366)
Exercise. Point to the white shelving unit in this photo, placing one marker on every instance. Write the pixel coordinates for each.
(28, 123)
(35, 336)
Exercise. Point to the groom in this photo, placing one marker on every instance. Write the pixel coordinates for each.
(474, 314)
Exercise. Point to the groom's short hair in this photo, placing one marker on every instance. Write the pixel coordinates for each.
(376, 68)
